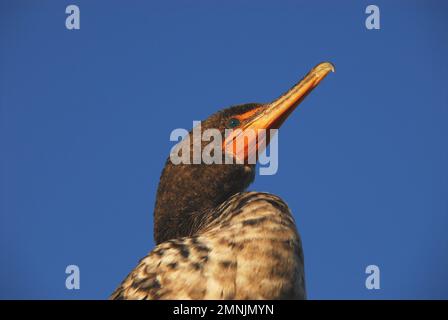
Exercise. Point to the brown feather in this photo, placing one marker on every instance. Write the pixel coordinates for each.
(252, 251)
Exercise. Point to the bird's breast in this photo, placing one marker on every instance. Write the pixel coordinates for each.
(247, 248)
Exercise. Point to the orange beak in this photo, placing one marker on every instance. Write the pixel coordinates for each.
(273, 115)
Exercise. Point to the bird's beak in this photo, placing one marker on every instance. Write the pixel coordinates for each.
(277, 111)
(273, 115)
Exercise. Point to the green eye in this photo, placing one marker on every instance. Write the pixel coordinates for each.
(234, 122)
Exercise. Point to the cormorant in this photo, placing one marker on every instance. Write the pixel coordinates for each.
(214, 239)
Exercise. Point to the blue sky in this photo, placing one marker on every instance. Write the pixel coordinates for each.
(85, 124)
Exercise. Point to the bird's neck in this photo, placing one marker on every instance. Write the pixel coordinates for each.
(187, 194)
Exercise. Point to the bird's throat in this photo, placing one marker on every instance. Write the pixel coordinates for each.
(187, 195)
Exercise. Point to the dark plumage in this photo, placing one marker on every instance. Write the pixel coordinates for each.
(216, 241)
(198, 188)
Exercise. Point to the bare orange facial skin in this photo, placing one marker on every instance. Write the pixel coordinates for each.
(243, 142)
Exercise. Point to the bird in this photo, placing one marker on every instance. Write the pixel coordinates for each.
(216, 240)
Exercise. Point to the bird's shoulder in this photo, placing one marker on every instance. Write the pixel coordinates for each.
(173, 270)
(245, 206)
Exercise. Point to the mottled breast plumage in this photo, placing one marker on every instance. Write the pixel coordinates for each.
(247, 248)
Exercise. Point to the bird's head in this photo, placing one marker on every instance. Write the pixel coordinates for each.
(187, 192)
